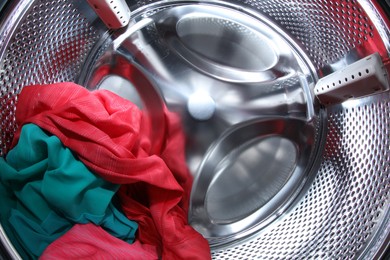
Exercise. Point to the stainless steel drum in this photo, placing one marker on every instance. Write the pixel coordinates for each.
(285, 105)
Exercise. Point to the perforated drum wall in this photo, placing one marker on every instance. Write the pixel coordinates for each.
(49, 44)
(327, 30)
(345, 212)
(349, 198)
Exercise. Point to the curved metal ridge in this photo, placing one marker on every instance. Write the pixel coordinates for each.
(375, 17)
(268, 157)
(180, 50)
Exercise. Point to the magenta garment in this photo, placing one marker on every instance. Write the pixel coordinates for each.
(114, 139)
(88, 241)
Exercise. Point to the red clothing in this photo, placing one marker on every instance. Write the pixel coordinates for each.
(89, 241)
(111, 136)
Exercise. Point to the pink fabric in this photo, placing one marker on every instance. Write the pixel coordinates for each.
(92, 242)
(113, 138)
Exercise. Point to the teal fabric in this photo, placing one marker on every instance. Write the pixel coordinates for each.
(45, 190)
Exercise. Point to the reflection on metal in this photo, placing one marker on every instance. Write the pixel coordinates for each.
(374, 14)
(249, 173)
(133, 28)
(201, 106)
(245, 178)
(246, 104)
(13, 254)
(122, 87)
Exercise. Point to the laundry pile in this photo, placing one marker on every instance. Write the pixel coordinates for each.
(87, 177)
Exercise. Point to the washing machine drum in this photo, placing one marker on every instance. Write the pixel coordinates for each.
(284, 104)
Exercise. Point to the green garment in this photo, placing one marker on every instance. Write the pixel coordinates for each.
(45, 190)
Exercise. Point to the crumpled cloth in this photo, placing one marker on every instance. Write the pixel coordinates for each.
(49, 190)
(88, 241)
(114, 139)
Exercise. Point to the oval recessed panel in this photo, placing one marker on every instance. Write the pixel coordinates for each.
(227, 43)
(248, 177)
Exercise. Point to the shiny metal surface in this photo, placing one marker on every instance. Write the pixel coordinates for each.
(177, 80)
(45, 41)
(247, 176)
(276, 175)
(347, 205)
(256, 103)
(333, 33)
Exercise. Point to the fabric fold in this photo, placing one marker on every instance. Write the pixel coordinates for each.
(110, 135)
(49, 190)
(89, 241)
